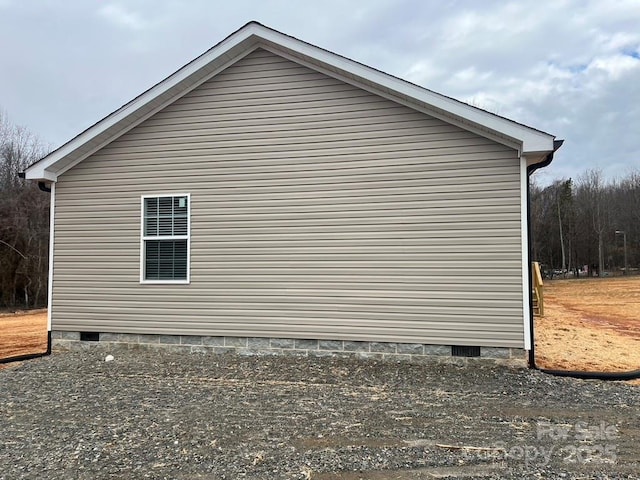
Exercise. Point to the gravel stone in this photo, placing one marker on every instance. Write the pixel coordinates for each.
(159, 414)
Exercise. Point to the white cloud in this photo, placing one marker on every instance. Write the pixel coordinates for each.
(569, 67)
(422, 72)
(120, 16)
(614, 66)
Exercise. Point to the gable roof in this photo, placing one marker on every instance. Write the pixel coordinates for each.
(535, 144)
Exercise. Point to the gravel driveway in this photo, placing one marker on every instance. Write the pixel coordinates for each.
(187, 416)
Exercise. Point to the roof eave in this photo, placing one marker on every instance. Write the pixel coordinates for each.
(133, 112)
(543, 159)
(241, 42)
(39, 174)
(530, 139)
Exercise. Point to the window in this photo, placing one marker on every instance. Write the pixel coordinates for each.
(165, 239)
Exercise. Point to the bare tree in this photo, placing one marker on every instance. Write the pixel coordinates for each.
(575, 225)
(552, 217)
(24, 221)
(591, 183)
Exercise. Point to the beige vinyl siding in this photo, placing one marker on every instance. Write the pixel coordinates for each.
(318, 210)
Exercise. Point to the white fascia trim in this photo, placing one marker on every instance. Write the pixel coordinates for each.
(512, 143)
(144, 99)
(38, 172)
(531, 140)
(155, 110)
(52, 223)
(524, 236)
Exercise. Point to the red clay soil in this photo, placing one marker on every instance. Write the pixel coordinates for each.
(23, 333)
(590, 324)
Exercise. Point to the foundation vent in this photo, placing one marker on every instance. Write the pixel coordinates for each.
(89, 336)
(464, 351)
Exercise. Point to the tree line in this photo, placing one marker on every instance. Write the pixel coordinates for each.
(590, 226)
(24, 221)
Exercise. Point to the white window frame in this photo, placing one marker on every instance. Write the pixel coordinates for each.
(186, 237)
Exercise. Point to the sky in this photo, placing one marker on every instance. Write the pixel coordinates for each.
(570, 68)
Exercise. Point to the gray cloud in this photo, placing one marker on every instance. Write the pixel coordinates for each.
(571, 68)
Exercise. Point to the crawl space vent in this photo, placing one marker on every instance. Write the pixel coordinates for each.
(464, 351)
(89, 336)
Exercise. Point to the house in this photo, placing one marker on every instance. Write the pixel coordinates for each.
(274, 195)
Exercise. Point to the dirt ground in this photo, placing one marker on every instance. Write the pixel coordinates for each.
(590, 325)
(23, 333)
